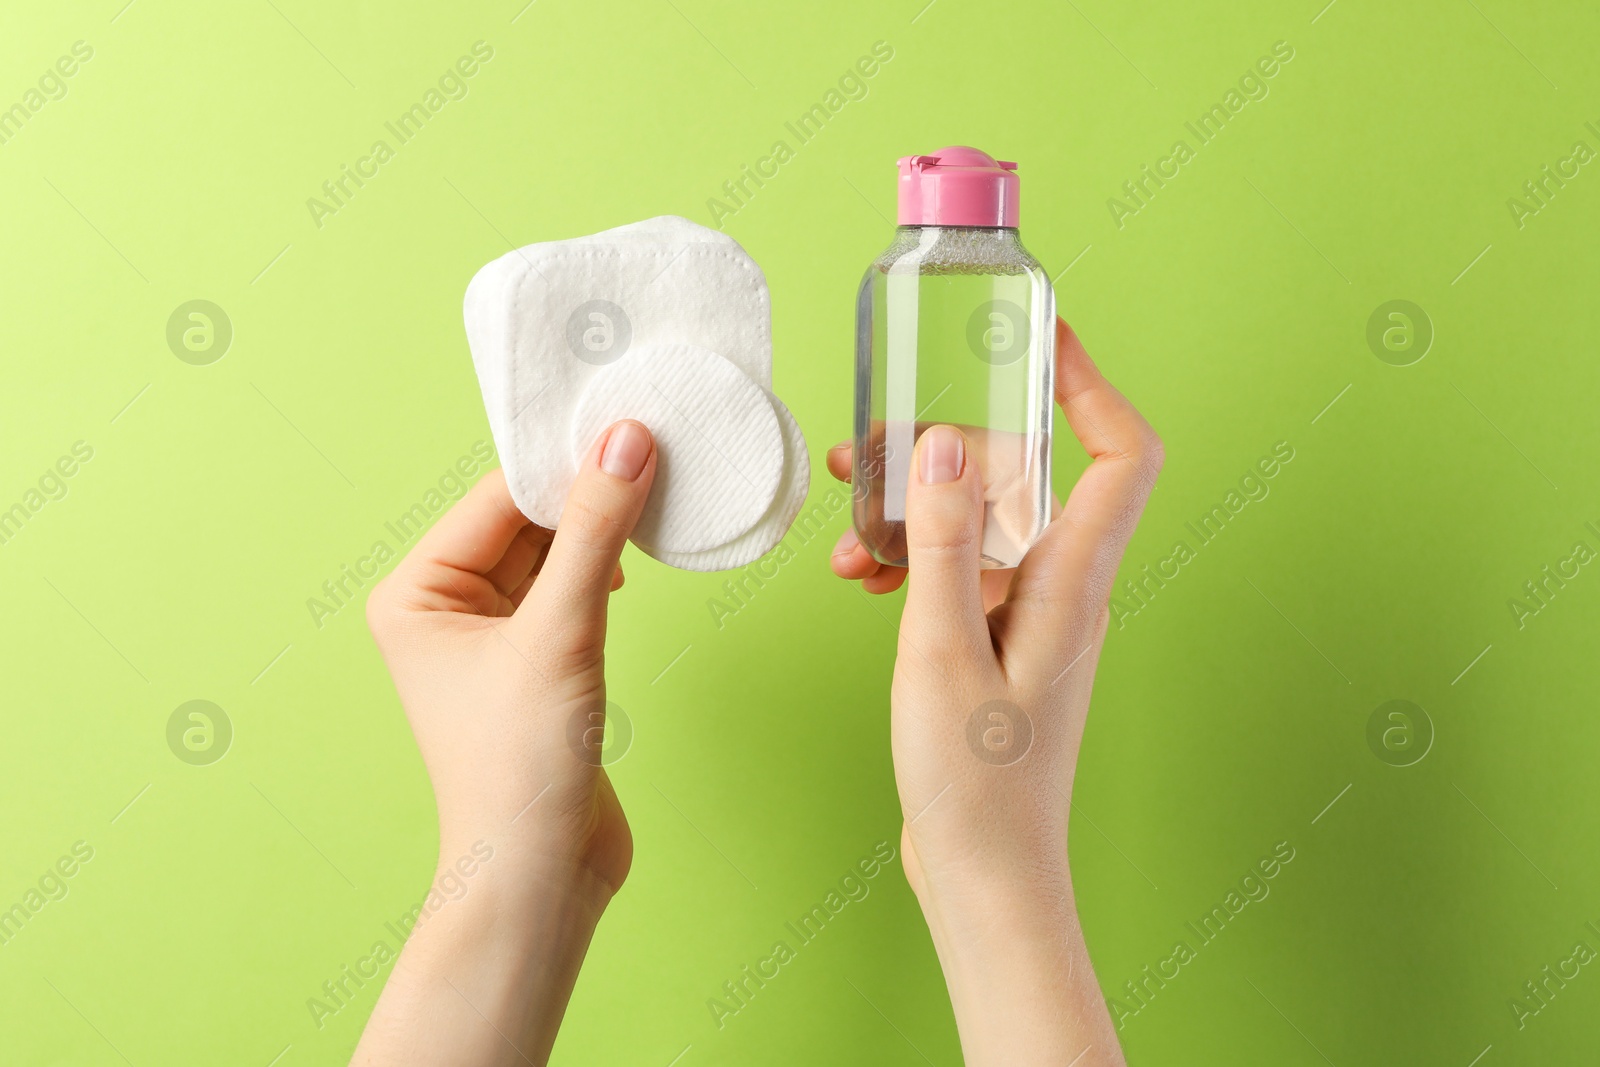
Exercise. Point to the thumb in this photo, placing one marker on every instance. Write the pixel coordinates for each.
(605, 502)
(944, 526)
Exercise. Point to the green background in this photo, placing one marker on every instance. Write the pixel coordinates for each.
(1231, 711)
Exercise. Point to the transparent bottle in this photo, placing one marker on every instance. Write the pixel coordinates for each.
(955, 325)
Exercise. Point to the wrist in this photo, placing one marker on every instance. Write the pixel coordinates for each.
(512, 876)
(1020, 980)
(977, 884)
(507, 915)
(1002, 927)
(566, 844)
(502, 945)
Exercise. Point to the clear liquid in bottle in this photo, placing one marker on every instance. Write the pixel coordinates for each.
(955, 325)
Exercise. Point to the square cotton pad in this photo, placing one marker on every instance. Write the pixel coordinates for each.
(663, 321)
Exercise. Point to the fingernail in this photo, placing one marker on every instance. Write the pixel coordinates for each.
(847, 544)
(626, 451)
(944, 451)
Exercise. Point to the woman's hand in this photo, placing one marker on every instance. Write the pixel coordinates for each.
(494, 630)
(991, 689)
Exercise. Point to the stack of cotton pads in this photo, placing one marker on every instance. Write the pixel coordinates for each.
(665, 322)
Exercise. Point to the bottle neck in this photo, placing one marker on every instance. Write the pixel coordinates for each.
(992, 249)
(982, 241)
(999, 233)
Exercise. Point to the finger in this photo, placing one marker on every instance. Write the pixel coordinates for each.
(448, 568)
(995, 585)
(1077, 559)
(851, 560)
(521, 591)
(840, 459)
(1106, 424)
(944, 520)
(521, 560)
(601, 509)
(886, 580)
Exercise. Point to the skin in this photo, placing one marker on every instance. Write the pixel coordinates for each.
(984, 844)
(494, 631)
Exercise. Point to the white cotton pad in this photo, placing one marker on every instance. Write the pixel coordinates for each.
(719, 452)
(764, 536)
(543, 320)
(663, 321)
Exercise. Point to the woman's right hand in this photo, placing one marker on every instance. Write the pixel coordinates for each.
(991, 691)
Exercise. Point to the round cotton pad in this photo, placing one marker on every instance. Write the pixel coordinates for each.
(764, 535)
(719, 450)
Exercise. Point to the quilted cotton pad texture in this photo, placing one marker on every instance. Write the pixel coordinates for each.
(664, 321)
(719, 453)
(544, 319)
(765, 535)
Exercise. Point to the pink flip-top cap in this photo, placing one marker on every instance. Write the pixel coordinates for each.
(958, 186)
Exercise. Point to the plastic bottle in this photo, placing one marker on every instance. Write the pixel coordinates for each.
(955, 324)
